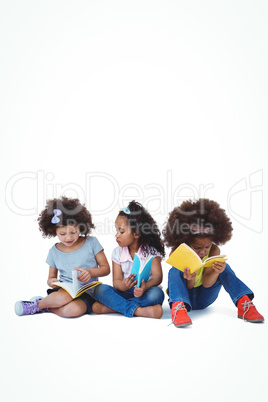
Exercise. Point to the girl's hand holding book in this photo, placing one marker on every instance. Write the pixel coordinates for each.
(188, 276)
(138, 292)
(50, 283)
(129, 282)
(84, 276)
(219, 267)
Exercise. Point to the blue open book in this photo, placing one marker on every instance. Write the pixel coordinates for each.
(141, 268)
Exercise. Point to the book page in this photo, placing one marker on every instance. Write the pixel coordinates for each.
(209, 261)
(66, 286)
(76, 284)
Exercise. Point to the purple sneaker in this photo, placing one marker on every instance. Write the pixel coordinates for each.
(36, 299)
(26, 307)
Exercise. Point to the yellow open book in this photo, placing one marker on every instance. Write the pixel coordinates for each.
(184, 256)
(74, 288)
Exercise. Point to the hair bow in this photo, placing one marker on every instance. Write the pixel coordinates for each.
(55, 219)
(125, 210)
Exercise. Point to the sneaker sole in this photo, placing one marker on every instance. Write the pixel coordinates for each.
(18, 308)
(183, 325)
(257, 320)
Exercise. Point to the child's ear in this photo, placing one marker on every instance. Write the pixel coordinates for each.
(137, 235)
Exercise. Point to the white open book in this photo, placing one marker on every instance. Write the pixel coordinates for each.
(75, 289)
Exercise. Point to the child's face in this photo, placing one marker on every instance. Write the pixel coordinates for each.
(201, 246)
(124, 235)
(68, 235)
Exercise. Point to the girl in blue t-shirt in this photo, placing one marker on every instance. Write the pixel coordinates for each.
(71, 222)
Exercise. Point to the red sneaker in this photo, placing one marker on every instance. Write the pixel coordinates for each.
(247, 311)
(179, 315)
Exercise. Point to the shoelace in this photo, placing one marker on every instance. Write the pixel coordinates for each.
(246, 306)
(180, 306)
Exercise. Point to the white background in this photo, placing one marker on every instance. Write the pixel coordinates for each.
(111, 101)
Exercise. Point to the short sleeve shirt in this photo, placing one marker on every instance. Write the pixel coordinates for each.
(121, 256)
(84, 257)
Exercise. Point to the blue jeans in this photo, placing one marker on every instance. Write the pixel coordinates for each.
(201, 297)
(125, 302)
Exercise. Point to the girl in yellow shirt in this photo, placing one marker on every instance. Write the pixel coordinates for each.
(203, 225)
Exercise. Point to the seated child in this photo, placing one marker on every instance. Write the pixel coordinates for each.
(203, 225)
(71, 222)
(136, 232)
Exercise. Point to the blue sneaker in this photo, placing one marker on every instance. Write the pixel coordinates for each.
(26, 307)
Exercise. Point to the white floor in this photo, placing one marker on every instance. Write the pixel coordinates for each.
(218, 358)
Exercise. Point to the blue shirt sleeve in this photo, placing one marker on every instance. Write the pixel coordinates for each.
(50, 258)
(96, 246)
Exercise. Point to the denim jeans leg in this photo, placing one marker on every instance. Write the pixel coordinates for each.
(115, 300)
(151, 297)
(177, 289)
(202, 297)
(233, 285)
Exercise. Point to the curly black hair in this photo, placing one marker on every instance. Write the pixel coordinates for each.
(142, 223)
(201, 218)
(72, 212)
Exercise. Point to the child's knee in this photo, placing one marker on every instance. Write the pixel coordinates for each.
(74, 309)
(156, 295)
(174, 274)
(61, 298)
(100, 290)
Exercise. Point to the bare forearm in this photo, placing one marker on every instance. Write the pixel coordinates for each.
(119, 285)
(52, 277)
(154, 281)
(102, 270)
(51, 280)
(190, 283)
(209, 279)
